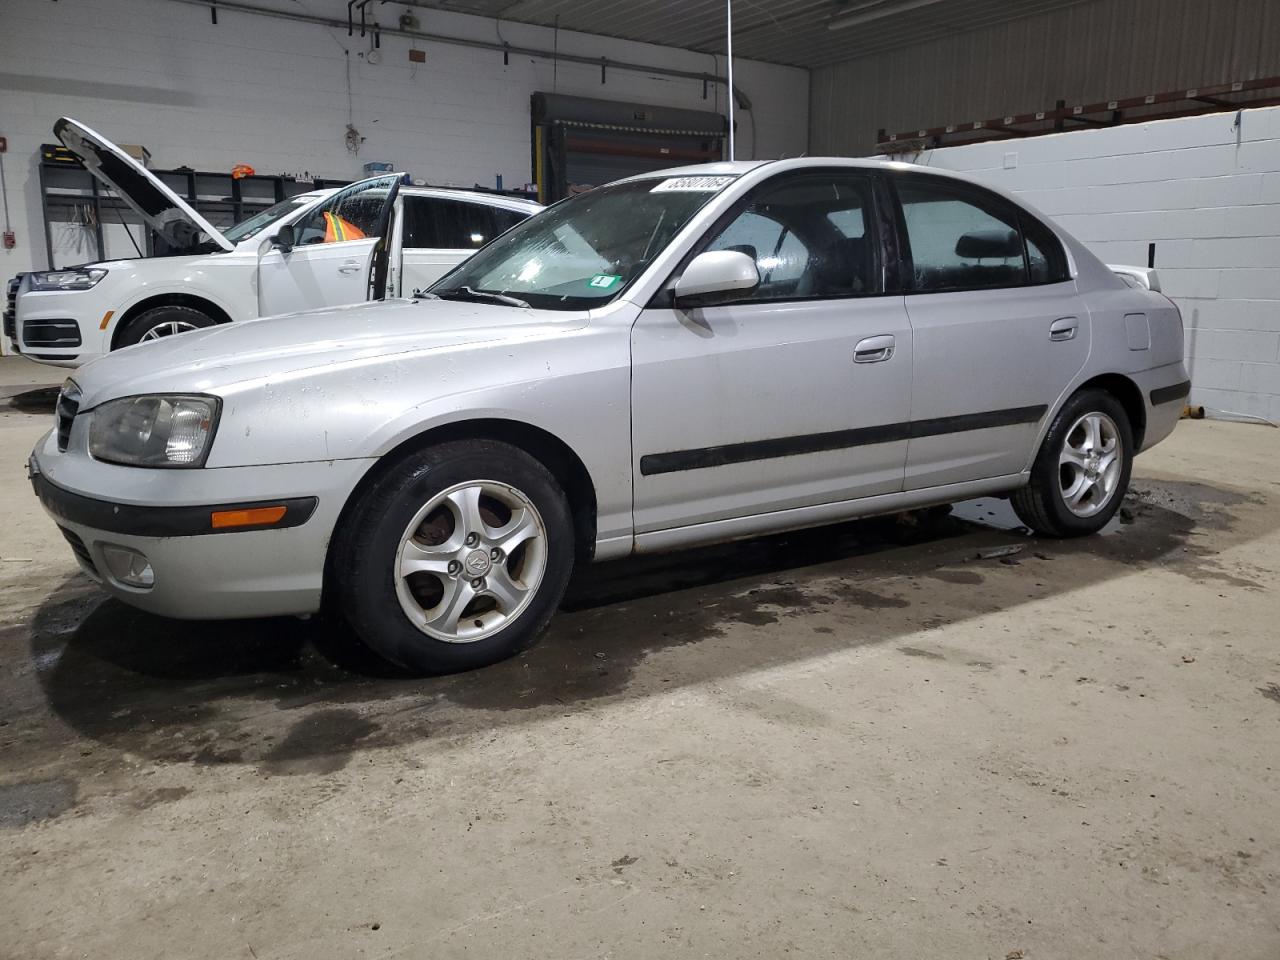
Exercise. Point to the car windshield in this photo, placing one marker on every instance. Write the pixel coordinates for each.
(259, 221)
(583, 251)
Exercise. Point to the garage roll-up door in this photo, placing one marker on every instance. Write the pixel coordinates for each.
(579, 143)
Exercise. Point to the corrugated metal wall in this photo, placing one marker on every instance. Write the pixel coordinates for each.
(1093, 51)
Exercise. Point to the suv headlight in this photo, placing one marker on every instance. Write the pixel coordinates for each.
(77, 278)
(154, 431)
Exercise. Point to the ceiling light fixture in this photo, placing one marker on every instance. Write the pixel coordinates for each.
(868, 12)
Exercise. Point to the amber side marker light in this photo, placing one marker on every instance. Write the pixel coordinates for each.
(106, 318)
(254, 517)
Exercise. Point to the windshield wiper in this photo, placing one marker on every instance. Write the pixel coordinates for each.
(481, 296)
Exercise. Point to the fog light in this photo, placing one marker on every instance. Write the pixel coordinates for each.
(128, 566)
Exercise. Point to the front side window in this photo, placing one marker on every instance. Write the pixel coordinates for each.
(779, 255)
(963, 239)
(350, 214)
(252, 226)
(808, 235)
(584, 251)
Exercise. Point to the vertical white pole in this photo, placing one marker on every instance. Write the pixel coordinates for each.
(729, 44)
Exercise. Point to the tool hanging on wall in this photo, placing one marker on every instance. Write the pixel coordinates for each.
(352, 137)
(10, 241)
(76, 234)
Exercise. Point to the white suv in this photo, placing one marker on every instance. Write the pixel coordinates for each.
(314, 250)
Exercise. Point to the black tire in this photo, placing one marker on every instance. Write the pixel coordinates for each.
(1041, 504)
(158, 318)
(366, 549)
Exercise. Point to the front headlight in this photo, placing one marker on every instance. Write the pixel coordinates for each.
(154, 431)
(77, 278)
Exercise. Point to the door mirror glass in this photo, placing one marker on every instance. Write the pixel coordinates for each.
(716, 276)
(284, 238)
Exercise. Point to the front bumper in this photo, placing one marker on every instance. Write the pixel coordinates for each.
(62, 328)
(200, 573)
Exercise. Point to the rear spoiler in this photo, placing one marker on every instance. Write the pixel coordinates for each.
(1142, 276)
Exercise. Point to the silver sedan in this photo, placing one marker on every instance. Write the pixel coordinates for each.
(694, 355)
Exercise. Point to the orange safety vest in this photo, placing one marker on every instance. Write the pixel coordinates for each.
(337, 229)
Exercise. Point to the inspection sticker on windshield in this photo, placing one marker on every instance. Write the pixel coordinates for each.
(692, 184)
(603, 281)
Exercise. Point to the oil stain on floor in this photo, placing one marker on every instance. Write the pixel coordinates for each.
(292, 697)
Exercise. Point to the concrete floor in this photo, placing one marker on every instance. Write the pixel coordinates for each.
(871, 740)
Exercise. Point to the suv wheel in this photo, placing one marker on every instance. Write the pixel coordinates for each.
(1082, 470)
(456, 557)
(163, 322)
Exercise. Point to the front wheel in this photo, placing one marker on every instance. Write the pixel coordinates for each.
(163, 321)
(456, 557)
(1082, 470)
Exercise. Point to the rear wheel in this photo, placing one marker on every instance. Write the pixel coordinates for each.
(456, 557)
(1082, 470)
(163, 321)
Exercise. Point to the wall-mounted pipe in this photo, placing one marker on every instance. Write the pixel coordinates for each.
(241, 7)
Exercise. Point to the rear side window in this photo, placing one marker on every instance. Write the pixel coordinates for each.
(809, 236)
(963, 239)
(441, 223)
(504, 219)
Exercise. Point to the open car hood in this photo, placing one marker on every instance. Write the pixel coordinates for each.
(162, 209)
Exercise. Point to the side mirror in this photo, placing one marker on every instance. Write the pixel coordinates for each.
(716, 276)
(285, 238)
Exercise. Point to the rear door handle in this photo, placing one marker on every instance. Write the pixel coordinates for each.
(349, 266)
(874, 349)
(1064, 329)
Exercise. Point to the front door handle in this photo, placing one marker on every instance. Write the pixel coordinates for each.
(349, 266)
(1064, 329)
(874, 349)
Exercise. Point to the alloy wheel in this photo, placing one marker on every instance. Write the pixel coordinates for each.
(167, 329)
(1090, 464)
(470, 561)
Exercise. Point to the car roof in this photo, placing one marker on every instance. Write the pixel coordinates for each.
(740, 167)
(473, 196)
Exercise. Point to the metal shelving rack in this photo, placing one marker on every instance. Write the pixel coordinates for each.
(65, 185)
(1185, 102)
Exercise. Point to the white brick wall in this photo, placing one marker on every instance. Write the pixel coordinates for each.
(273, 93)
(1207, 192)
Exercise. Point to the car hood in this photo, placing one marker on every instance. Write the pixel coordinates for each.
(162, 209)
(283, 348)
